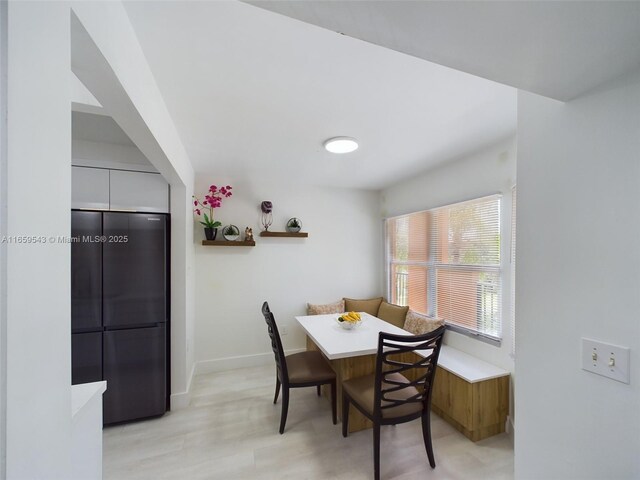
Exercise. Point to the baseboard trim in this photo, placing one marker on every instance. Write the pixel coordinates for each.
(510, 429)
(183, 399)
(241, 361)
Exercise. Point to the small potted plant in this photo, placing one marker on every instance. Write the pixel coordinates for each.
(212, 199)
(231, 233)
(294, 225)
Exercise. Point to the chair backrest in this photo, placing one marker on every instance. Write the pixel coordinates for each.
(276, 343)
(394, 356)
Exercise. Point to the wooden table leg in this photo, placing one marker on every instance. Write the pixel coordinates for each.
(345, 369)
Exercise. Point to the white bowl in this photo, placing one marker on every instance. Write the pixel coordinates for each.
(348, 325)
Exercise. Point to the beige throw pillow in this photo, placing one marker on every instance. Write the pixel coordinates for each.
(370, 305)
(394, 314)
(419, 324)
(337, 307)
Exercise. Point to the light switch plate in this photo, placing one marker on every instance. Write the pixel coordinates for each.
(608, 360)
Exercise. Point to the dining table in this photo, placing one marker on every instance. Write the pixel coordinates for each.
(469, 393)
(351, 353)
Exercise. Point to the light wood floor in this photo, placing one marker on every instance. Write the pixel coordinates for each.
(230, 431)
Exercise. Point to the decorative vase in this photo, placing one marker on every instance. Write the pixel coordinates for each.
(231, 233)
(267, 217)
(210, 233)
(294, 225)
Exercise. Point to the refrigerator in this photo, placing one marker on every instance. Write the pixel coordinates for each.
(120, 310)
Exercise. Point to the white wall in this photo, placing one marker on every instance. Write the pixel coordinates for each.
(109, 155)
(484, 173)
(38, 297)
(81, 99)
(3, 231)
(341, 257)
(578, 274)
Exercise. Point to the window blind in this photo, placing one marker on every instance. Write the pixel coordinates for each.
(445, 262)
(409, 269)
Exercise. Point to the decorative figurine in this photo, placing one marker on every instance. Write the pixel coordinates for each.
(248, 234)
(267, 217)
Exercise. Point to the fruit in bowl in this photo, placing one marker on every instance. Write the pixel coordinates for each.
(349, 320)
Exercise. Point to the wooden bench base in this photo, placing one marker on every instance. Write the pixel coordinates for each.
(477, 410)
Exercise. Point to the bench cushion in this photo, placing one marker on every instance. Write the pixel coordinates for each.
(394, 314)
(418, 324)
(370, 305)
(335, 307)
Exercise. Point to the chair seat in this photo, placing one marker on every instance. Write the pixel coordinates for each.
(362, 391)
(305, 367)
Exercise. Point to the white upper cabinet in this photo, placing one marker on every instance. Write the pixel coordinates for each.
(103, 189)
(143, 192)
(89, 188)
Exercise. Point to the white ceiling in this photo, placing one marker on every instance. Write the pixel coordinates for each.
(559, 49)
(254, 93)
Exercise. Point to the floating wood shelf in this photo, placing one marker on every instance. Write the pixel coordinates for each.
(284, 234)
(226, 243)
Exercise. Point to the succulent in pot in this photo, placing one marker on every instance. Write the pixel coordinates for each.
(231, 233)
(294, 225)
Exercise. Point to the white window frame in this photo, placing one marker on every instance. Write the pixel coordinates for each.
(512, 266)
(431, 266)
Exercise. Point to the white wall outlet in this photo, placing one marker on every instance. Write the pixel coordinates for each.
(605, 359)
(283, 330)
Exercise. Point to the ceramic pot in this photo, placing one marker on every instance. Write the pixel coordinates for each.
(210, 233)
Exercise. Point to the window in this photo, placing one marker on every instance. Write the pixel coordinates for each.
(445, 262)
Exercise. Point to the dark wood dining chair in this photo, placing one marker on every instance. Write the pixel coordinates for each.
(400, 389)
(304, 369)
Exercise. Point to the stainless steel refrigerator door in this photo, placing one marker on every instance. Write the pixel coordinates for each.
(86, 357)
(135, 370)
(86, 271)
(134, 269)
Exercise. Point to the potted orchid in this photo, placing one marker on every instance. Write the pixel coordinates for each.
(212, 199)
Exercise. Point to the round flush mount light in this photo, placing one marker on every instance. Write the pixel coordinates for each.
(341, 144)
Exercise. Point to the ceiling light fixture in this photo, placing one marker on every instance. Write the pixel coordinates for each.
(341, 144)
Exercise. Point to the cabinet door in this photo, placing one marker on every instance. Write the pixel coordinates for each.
(142, 192)
(89, 188)
(86, 357)
(134, 269)
(135, 371)
(86, 271)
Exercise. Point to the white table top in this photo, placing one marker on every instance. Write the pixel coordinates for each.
(336, 342)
